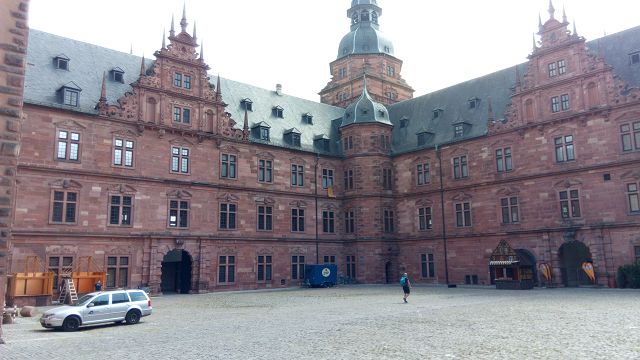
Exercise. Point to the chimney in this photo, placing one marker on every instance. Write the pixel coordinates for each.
(279, 89)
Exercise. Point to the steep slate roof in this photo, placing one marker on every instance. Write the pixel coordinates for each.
(88, 62)
(264, 101)
(616, 49)
(454, 103)
(454, 100)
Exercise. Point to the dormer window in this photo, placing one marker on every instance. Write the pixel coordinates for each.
(61, 62)
(437, 113)
(261, 131)
(264, 134)
(424, 137)
(247, 104)
(381, 113)
(278, 112)
(387, 49)
(634, 58)
(404, 122)
(473, 103)
(292, 137)
(321, 142)
(117, 74)
(458, 131)
(307, 119)
(69, 94)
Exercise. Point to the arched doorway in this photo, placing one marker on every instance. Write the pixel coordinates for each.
(387, 272)
(528, 259)
(572, 254)
(176, 272)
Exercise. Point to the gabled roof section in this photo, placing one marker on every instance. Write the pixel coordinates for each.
(263, 102)
(71, 85)
(91, 61)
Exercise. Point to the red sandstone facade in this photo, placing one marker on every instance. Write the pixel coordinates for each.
(13, 47)
(568, 186)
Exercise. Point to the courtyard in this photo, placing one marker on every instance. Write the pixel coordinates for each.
(356, 322)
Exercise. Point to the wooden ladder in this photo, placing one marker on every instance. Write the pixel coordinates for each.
(68, 289)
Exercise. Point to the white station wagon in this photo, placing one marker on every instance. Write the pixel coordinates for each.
(99, 307)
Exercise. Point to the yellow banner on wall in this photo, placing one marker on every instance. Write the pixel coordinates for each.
(545, 270)
(587, 267)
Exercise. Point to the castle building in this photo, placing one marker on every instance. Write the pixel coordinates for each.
(173, 179)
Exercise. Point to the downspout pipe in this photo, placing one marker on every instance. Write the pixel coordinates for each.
(444, 228)
(315, 196)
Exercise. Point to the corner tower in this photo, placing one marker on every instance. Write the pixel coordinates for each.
(364, 50)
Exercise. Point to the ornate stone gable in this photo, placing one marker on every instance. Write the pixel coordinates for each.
(561, 67)
(175, 92)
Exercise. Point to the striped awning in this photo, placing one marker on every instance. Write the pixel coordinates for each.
(502, 262)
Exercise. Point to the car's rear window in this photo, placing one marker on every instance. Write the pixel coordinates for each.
(138, 296)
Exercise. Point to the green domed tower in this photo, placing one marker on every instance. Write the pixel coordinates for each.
(365, 50)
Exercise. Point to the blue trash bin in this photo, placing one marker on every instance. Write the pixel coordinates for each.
(320, 275)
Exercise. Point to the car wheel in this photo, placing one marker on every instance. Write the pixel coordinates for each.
(71, 323)
(132, 317)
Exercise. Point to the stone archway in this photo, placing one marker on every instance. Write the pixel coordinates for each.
(572, 254)
(528, 259)
(176, 272)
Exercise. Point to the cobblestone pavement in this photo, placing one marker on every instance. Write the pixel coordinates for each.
(357, 322)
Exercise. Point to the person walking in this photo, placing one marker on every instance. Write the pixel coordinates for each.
(98, 286)
(406, 286)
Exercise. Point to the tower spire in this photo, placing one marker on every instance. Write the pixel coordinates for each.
(564, 15)
(183, 22)
(551, 10)
(245, 128)
(218, 91)
(490, 115)
(103, 91)
(535, 46)
(202, 50)
(172, 31)
(539, 22)
(142, 70)
(194, 31)
(164, 44)
(102, 102)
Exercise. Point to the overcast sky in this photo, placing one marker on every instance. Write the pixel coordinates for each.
(292, 42)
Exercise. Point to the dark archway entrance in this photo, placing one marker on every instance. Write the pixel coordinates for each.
(387, 272)
(572, 254)
(176, 272)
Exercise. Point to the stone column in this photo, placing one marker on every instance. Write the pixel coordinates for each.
(13, 51)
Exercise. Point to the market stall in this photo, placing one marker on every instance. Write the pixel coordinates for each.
(511, 269)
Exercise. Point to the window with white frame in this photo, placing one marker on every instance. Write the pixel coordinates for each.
(463, 214)
(123, 152)
(228, 166)
(564, 148)
(503, 160)
(68, 145)
(120, 210)
(178, 214)
(570, 204)
(179, 159)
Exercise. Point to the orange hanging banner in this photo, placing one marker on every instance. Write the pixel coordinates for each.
(587, 267)
(330, 192)
(545, 270)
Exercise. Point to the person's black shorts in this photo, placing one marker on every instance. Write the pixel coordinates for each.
(407, 290)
